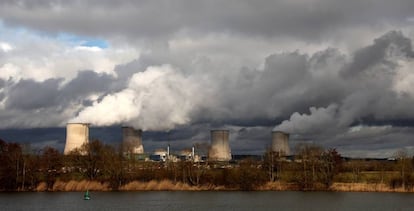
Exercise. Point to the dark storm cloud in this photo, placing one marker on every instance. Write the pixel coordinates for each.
(33, 134)
(374, 68)
(149, 19)
(288, 83)
(124, 72)
(36, 138)
(376, 53)
(86, 83)
(380, 142)
(29, 94)
(366, 83)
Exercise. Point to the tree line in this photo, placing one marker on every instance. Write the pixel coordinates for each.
(313, 168)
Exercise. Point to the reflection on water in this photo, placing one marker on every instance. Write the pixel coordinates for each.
(164, 200)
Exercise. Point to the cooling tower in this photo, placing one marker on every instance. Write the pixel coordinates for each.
(280, 142)
(219, 149)
(132, 140)
(77, 134)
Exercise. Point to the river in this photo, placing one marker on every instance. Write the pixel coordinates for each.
(207, 200)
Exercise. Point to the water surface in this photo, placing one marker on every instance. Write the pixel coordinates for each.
(206, 200)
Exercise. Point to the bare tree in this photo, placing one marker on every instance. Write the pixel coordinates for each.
(404, 166)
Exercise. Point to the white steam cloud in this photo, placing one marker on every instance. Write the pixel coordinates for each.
(158, 98)
(317, 121)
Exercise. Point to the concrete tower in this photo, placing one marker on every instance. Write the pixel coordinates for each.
(77, 134)
(132, 140)
(280, 142)
(219, 148)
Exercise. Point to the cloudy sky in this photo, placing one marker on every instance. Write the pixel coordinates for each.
(331, 72)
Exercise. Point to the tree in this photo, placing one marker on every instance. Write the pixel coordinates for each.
(309, 155)
(319, 166)
(273, 165)
(113, 166)
(95, 160)
(404, 166)
(31, 176)
(331, 162)
(193, 171)
(88, 159)
(249, 176)
(50, 163)
(11, 162)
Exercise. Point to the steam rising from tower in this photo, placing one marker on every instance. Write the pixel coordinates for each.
(280, 142)
(77, 134)
(132, 140)
(219, 149)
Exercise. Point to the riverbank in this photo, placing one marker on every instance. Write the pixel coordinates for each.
(153, 185)
(167, 185)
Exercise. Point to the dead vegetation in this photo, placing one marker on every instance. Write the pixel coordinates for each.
(83, 185)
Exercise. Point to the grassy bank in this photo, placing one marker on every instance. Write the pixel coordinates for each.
(153, 185)
(167, 185)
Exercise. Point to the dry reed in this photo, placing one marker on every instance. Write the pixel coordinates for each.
(277, 186)
(83, 185)
(365, 187)
(168, 185)
(41, 187)
(165, 185)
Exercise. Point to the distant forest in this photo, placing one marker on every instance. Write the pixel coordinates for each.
(313, 168)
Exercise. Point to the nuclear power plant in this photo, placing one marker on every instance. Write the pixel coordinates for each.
(219, 148)
(77, 134)
(132, 140)
(280, 143)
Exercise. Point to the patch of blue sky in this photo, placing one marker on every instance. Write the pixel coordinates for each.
(82, 41)
(8, 33)
(96, 43)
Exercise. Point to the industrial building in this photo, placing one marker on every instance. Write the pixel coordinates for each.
(77, 134)
(160, 155)
(219, 149)
(280, 143)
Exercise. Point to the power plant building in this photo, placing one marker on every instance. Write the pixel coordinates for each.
(132, 140)
(77, 134)
(280, 143)
(219, 149)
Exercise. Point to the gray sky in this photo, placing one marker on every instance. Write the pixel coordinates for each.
(331, 72)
